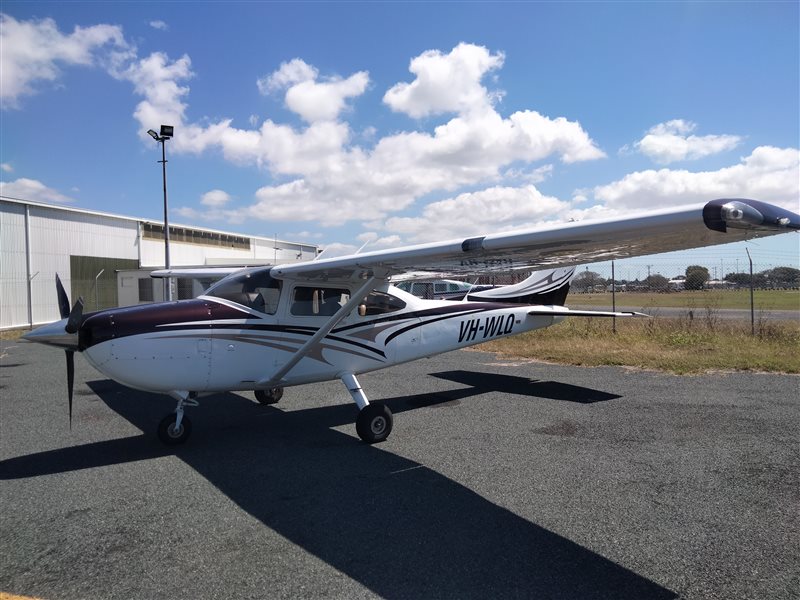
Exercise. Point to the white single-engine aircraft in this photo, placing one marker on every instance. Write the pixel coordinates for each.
(267, 328)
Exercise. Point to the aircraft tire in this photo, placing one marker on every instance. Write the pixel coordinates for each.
(374, 423)
(270, 396)
(167, 433)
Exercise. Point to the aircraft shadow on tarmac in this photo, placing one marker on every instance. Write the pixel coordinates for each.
(524, 386)
(397, 527)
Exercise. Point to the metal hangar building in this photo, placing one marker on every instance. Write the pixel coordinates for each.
(108, 258)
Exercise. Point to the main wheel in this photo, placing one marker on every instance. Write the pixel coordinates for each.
(270, 396)
(374, 423)
(169, 434)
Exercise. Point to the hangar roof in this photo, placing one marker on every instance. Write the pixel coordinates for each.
(172, 224)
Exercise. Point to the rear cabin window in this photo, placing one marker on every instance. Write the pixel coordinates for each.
(254, 289)
(325, 302)
(378, 303)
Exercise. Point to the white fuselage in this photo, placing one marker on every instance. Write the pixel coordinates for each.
(211, 344)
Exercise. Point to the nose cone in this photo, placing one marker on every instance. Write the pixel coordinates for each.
(53, 334)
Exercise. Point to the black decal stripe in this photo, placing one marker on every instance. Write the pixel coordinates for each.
(434, 320)
(309, 331)
(460, 307)
(342, 340)
(322, 346)
(277, 345)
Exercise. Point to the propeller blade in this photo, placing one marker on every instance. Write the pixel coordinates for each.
(70, 380)
(63, 299)
(75, 317)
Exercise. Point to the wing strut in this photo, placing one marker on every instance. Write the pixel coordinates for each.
(275, 379)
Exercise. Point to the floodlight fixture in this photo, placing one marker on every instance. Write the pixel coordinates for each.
(166, 131)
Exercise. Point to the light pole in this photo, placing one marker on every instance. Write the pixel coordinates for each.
(166, 133)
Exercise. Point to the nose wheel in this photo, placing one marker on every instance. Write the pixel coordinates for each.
(172, 433)
(175, 428)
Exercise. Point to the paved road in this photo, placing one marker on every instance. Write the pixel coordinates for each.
(501, 479)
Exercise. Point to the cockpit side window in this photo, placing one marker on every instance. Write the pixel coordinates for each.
(317, 301)
(254, 289)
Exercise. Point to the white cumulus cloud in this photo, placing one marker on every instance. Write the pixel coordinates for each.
(215, 198)
(31, 189)
(290, 73)
(333, 180)
(673, 141)
(33, 50)
(158, 79)
(473, 213)
(446, 82)
(768, 173)
(311, 99)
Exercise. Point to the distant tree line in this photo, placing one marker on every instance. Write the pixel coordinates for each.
(696, 278)
(777, 278)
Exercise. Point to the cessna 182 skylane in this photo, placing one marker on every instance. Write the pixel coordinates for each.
(267, 328)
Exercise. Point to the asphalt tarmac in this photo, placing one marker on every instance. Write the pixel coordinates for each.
(501, 479)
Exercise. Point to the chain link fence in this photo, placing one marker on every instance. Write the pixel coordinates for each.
(710, 285)
(723, 284)
(631, 276)
(706, 292)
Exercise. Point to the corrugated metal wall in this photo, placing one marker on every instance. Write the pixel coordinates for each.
(13, 271)
(53, 235)
(56, 236)
(37, 241)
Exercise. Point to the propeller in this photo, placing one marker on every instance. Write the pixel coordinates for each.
(74, 318)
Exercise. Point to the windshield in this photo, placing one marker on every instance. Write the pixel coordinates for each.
(253, 288)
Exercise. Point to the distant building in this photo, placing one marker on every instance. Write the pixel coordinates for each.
(718, 284)
(108, 258)
(678, 284)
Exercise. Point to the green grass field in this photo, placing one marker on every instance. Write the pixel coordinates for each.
(680, 346)
(763, 299)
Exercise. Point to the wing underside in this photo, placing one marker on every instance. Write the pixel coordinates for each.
(562, 245)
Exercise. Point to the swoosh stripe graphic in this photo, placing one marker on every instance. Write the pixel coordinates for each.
(415, 325)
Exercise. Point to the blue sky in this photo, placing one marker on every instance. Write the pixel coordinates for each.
(337, 123)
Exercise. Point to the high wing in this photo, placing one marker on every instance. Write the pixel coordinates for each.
(195, 272)
(716, 222)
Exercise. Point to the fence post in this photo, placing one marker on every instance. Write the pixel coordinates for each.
(752, 305)
(613, 299)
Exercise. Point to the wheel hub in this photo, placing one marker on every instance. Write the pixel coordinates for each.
(378, 425)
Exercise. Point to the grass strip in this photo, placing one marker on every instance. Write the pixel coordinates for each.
(680, 346)
(763, 300)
